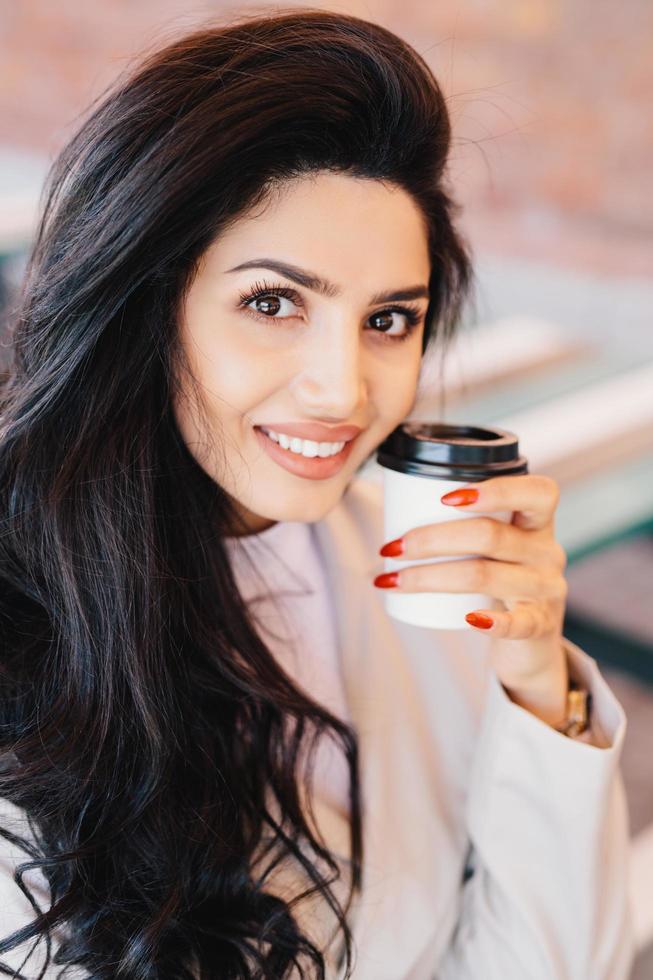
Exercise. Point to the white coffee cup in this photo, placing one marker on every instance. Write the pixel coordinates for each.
(421, 462)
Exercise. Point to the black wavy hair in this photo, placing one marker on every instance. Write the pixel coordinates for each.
(146, 731)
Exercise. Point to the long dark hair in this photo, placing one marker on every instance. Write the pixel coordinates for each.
(143, 721)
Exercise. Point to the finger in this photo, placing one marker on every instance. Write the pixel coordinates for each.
(533, 497)
(483, 536)
(502, 580)
(526, 621)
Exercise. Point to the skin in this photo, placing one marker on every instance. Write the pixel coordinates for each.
(322, 361)
(325, 358)
(523, 566)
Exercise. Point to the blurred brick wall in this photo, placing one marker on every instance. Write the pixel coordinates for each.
(550, 101)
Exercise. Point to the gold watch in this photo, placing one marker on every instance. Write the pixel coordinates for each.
(577, 716)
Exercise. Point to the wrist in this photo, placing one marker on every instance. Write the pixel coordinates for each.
(545, 698)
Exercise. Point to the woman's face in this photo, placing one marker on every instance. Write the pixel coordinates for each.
(332, 355)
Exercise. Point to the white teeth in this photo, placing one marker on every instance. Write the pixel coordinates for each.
(304, 447)
(310, 448)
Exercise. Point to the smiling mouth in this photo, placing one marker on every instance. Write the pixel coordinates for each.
(308, 448)
(306, 464)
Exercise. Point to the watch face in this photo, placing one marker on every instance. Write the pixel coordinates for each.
(577, 719)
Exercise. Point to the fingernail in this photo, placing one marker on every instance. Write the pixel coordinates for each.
(393, 548)
(387, 580)
(467, 495)
(479, 620)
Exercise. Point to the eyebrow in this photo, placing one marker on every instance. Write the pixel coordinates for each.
(319, 285)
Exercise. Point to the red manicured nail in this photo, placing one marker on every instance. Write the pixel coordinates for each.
(387, 580)
(393, 548)
(467, 495)
(478, 619)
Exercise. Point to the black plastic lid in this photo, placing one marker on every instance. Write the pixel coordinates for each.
(453, 452)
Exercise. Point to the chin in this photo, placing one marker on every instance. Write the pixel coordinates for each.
(309, 512)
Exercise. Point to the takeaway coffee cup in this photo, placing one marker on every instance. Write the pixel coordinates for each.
(421, 462)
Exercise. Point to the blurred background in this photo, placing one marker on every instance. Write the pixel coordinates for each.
(551, 159)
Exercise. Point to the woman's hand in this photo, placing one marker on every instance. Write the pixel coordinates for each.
(523, 565)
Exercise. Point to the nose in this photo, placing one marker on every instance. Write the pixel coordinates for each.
(330, 383)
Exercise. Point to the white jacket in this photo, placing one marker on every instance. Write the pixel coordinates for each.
(495, 847)
(453, 769)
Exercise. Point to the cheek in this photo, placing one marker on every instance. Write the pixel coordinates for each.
(235, 376)
(395, 389)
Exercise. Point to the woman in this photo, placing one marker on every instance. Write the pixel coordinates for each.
(244, 253)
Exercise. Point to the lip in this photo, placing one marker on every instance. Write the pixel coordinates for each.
(311, 468)
(316, 431)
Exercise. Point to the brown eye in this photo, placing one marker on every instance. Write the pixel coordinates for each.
(411, 317)
(269, 300)
(267, 304)
(384, 316)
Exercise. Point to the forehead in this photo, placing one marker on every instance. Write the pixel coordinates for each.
(338, 225)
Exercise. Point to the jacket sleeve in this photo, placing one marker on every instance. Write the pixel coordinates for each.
(545, 895)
